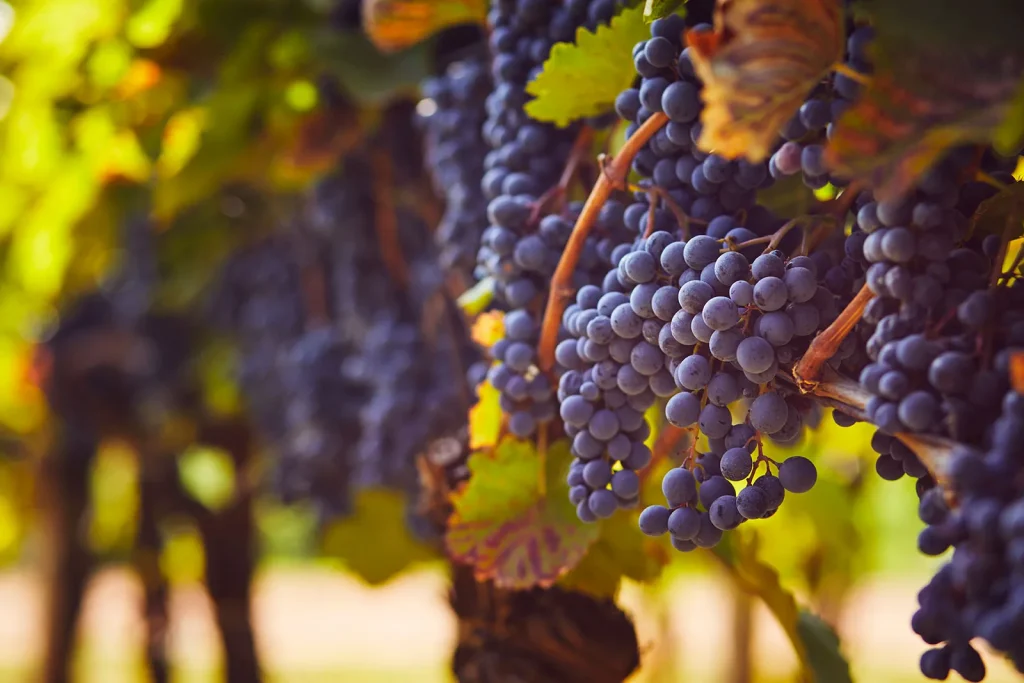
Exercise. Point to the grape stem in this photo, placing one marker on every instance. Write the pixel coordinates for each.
(387, 221)
(848, 396)
(613, 176)
(580, 148)
(828, 340)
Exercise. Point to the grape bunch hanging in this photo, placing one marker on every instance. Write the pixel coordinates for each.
(738, 325)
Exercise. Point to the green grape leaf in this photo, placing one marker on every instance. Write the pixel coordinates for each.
(583, 78)
(919, 103)
(740, 557)
(949, 26)
(208, 475)
(621, 550)
(1000, 214)
(379, 76)
(513, 521)
(656, 9)
(230, 111)
(788, 197)
(822, 646)
(356, 539)
(397, 24)
(477, 298)
(1009, 135)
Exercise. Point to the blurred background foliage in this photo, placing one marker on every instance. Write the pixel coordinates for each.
(216, 112)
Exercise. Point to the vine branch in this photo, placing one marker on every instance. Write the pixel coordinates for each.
(848, 396)
(827, 342)
(613, 176)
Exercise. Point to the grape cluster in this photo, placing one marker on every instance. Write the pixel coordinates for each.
(703, 320)
(939, 333)
(806, 134)
(351, 386)
(932, 299)
(980, 592)
(452, 118)
(521, 247)
(691, 182)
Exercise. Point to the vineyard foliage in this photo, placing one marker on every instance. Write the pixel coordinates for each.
(566, 304)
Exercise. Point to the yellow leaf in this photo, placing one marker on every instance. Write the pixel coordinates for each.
(485, 418)
(397, 24)
(488, 328)
(507, 527)
(762, 59)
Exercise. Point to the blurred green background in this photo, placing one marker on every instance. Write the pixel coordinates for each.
(208, 104)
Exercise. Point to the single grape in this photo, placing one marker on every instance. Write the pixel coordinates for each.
(625, 484)
(755, 355)
(724, 344)
(724, 514)
(708, 535)
(684, 523)
(603, 503)
(576, 411)
(797, 474)
(604, 424)
(770, 293)
(731, 267)
(723, 389)
(700, 251)
(752, 502)
(693, 373)
(701, 330)
(768, 412)
(654, 520)
(720, 313)
(679, 487)
(713, 488)
(777, 328)
(682, 410)
(597, 473)
(768, 265)
(584, 512)
(715, 421)
(801, 284)
(736, 464)
(694, 295)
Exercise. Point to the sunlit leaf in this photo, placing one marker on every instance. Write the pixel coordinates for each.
(656, 9)
(1010, 133)
(397, 24)
(356, 540)
(758, 65)
(208, 475)
(621, 551)
(819, 656)
(822, 646)
(583, 78)
(507, 527)
(917, 106)
(477, 298)
(485, 418)
(114, 491)
(379, 76)
(152, 24)
(230, 119)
